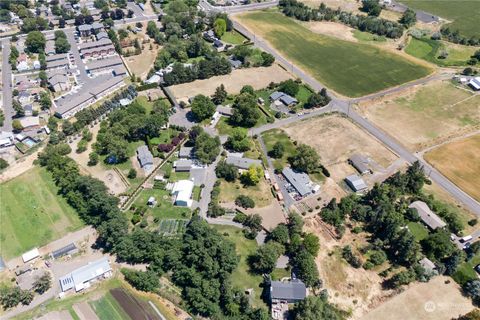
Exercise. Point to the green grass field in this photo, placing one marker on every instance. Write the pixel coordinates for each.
(32, 214)
(465, 271)
(429, 50)
(107, 308)
(351, 69)
(462, 13)
(277, 135)
(418, 230)
(233, 37)
(242, 277)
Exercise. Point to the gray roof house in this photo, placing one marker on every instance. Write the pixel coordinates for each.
(360, 163)
(288, 100)
(185, 152)
(183, 165)
(427, 264)
(428, 216)
(243, 163)
(80, 278)
(299, 180)
(356, 183)
(290, 292)
(276, 95)
(235, 63)
(145, 158)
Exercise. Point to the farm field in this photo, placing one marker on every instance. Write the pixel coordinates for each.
(337, 138)
(241, 277)
(429, 50)
(108, 308)
(32, 214)
(258, 78)
(462, 13)
(352, 69)
(449, 111)
(445, 301)
(460, 163)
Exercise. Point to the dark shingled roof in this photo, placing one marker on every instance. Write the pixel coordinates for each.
(293, 290)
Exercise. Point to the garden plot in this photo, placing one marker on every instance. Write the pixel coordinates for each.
(172, 227)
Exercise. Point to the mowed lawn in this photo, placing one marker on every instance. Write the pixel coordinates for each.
(351, 69)
(459, 161)
(464, 14)
(32, 214)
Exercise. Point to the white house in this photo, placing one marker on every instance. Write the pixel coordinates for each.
(182, 191)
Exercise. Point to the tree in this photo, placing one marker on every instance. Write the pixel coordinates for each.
(305, 160)
(220, 95)
(244, 201)
(311, 244)
(93, 159)
(279, 234)
(252, 176)
(238, 140)
(42, 284)
(62, 45)
(3, 164)
(306, 268)
(35, 42)
(207, 148)
(132, 173)
(254, 223)
(278, 150)
(17, 107)
(142, 280)
(372, 7)
(17, 126)
(316, 308)
(42, 75)
(289, 87)
(45, 101)
(319, 99)
(227, 171)
(202, 107)
(472, 289)
(265, 259)
(408, 18)
(220, 27)
(472, 315)
(438, 245)
(268, 59)
(245, 110)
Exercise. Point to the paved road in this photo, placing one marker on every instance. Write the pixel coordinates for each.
(421, 15)
(343, 105)
(238, 8)
(82, 77)
(7, 87)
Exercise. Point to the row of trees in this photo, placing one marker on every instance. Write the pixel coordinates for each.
(12, 296)
(371, 24)
(455, 37)
(212, 65)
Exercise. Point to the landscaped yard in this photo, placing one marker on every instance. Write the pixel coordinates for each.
(164, 208)
(241, 277)
(430, 50)
(463, 13)
(418, 230)
(32, 213)
(233, 37)
(351, 69)
(459, 161)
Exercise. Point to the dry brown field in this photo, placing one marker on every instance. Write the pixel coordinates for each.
(426, 115)
(258, 78)
(460, 162)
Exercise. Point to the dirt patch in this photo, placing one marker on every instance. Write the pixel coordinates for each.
(140, 65)
(332, 29)
(258, 78)
(272, 215)
(84, 311)
(426, 115)
(346, 5)
(352, 289)
(134, 308)
(434, 300)
(329, 190)
(56, 315)
(337, 138)
(460, 163)
(19, 167)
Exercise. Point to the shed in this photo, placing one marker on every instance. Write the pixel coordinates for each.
(30, 255)
(290, 292)
(183, 165)
(360, 163)
(68, 249)
(428, 217)
(474, 83)
(356, 183)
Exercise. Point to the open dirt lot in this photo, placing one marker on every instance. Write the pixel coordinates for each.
(358, 290)
(337, 138)
(347, 5)
(141, 64)
(460, 162)
(427, 114)
(434, 300)
(56, 315)
(84, 311)
(258, 78)
(333, 29)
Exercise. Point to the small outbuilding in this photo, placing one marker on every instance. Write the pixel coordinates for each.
(474, 83)
(360, 163)
(67, 250)
(183, 165)
(356, 183)
(30, 255)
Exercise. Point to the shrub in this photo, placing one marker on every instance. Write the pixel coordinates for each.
(244, 202)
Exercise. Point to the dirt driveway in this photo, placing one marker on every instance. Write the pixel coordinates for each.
(258, 78)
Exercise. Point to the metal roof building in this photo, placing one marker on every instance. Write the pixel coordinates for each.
(80, 278)
(428, 216)
(68, 249)
(145, 158)
(30, 255)
(182, 190)
(243, 163)
(291, 292)
(299, 180)
(183, 165)
(360, 163)
(356, 183)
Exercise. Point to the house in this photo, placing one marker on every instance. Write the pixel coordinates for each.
(243, 163)
(23, 66)
(225, 111)
(474, 83)
(427, 264)
(209, 35)
(102, 35)
(153, 79)
(183, 165)
(6, 139)
(234, 63)
(24, 97)
(103, 64)
(85, 30)
(300, 181)
(288, 100)
(185, 152)
(360, 163)
(50, 47)
(276, 95)
(82, 277)
(289, 292)
(57, 61)
(218, 45)
(67, 250)
(30, 122)
(182, 191)
(58, 80)
(30, 255)
(356, 183)
(145, 158)
(28, 109)
(428, 217)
